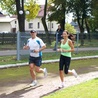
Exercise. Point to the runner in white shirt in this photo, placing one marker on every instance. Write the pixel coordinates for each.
(35, 45)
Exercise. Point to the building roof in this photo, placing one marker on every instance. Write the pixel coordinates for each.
(1, 15)
(41, 12)
(14, 16)
(6, 19)
(74, 23)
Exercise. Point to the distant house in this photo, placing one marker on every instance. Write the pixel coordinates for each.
(75, 24)
(10, 24)
(37, 23)
(7, 24)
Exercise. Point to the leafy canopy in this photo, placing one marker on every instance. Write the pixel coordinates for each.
(10, 7)
(70, 28)
(33, 9)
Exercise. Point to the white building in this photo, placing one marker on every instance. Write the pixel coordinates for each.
(37, 23)
(7, 24)
(10, 24)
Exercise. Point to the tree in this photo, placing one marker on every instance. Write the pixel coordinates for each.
(8, 6)
(44, 23)
(81, 10)
(20, 16)
(87, 28)
(70, 28)
(58, 11)
(14, 6)
(33, 9)
(93, 20)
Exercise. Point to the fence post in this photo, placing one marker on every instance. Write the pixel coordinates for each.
(56, 41)
(77, 41)
(2, 38)
(18, 46)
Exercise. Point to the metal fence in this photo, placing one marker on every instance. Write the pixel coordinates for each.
(21, 38)
(7, 38)
(11, 38)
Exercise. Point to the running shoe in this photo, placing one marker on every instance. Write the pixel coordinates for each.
(34, 83)
(45, 72)
(62, 85)
(74, 73)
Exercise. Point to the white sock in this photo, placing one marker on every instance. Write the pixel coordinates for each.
(41, 69)
(62, 83)
(35, 80)
(69, 71)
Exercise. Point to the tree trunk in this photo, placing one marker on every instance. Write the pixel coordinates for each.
(82, 35)
(63, 24)
(21, 17)
(88, 30)
(46, 31)
(81, 28)
(45, 25)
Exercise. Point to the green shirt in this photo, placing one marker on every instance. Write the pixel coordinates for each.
(66, 47)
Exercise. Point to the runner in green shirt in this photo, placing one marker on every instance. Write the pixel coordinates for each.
(66, 48)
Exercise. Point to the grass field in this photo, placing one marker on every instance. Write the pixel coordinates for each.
(46, 56)
(81, 66)
(84, 90)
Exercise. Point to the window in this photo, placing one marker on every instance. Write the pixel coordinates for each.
(15, 22)
(30, 25)
(52, 25)
(38, 25)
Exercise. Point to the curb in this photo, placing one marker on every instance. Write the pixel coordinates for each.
(45, 61)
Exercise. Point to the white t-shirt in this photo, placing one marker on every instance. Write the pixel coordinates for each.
(35, 44)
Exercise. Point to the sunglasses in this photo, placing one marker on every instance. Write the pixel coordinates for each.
(32, 31)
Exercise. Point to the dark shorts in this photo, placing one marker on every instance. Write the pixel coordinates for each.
(36, 60)
(64, 63)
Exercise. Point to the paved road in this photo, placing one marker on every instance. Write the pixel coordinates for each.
(14, 52)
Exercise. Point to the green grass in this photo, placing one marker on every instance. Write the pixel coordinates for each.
(8, 47)
(81, 66)
(87, 43)
(14, 73)
(46, 56)
(84, 90)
